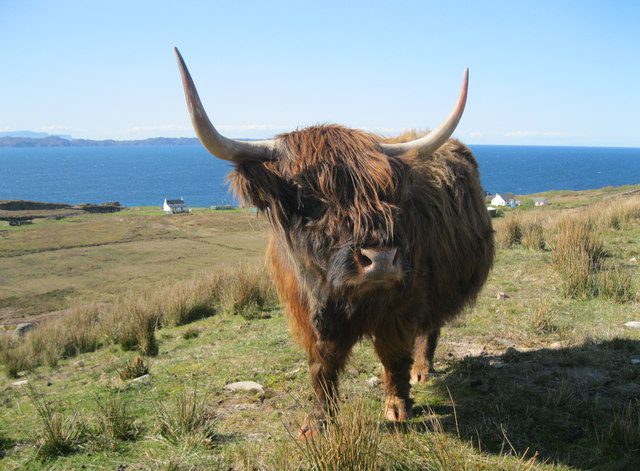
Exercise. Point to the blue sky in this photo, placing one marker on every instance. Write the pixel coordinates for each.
(542, 72)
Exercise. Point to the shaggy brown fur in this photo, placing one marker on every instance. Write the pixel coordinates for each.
(332, 193)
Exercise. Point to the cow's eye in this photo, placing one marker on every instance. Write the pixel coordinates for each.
(310, 208)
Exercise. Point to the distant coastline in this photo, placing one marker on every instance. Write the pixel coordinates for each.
(57, 141)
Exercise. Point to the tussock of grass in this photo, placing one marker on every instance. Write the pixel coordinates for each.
(351, 441)
(622, 432)
(134, 369)
(187, 421)
(132, 324)
(60, 434)
(615, 284)
(577, 255)
(542, 319)
(115, 420)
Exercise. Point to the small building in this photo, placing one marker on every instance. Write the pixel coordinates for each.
(505, 199)
(540, 201)
(175, 206)
(498, 201)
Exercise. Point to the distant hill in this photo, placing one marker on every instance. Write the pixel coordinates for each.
(32, 134)
(60, 141)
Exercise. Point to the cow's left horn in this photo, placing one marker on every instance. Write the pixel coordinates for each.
(216, 143)
(426, 145)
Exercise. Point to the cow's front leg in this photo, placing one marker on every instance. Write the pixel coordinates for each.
(423, 353)
(326, 360)
(395, 353)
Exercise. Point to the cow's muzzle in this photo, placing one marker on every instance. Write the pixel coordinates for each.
(379, 264)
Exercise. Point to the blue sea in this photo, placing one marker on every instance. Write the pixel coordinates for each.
(144, 176)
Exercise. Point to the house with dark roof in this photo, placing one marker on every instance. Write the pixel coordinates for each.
(175, 206)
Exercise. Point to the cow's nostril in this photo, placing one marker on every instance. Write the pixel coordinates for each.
(364, 260)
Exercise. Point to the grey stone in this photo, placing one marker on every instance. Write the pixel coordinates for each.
(632, 325)
(142, 379)
(245, 386)
(18, 384)
(22, 329)
(373, 382)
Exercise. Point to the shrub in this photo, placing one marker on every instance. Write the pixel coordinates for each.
(509, 233)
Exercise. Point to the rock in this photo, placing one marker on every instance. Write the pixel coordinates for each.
(632, 325)
(633, 259)
(502, 295)
(22, 329)
(635, 360)
(18, 384)
(245, 386)
(142, 379)
(496, 364)
(373, 382)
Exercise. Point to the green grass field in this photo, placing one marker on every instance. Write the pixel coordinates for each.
(545, 379)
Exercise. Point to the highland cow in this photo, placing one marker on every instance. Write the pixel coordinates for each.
(369, 239)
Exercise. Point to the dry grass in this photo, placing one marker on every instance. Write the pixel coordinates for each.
(133, 321)
(577, 255)
(542, 318)
(351, 441)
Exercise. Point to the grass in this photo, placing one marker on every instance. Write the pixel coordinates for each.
(538, 381)
(59, 434)
(186, 420)
(115, 419)
(134, 369)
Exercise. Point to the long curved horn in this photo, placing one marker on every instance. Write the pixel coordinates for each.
(428, 144)
(216, 143)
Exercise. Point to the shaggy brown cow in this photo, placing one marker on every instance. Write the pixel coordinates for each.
(368, 239)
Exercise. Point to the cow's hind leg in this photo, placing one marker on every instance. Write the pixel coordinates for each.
(423, 352)
(326, 360)
(395, 352)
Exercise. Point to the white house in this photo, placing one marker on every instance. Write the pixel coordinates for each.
(175, 206)
(498, 201)
(540, 201)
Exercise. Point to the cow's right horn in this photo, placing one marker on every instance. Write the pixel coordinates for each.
(216, 143)
(428, 144)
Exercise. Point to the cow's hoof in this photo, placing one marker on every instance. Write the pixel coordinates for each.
(311, 427)
(421, 375)
(397, 409)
